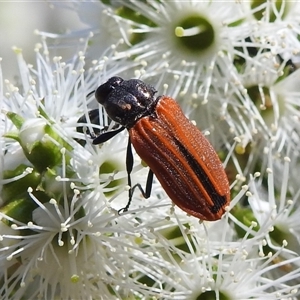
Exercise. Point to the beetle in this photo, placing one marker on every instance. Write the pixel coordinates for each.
(176, 151)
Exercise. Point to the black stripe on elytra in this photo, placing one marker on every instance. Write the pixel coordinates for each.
(216, 198)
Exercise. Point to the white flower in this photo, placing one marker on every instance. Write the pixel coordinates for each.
(105, 32)
(275, 205)
(193, 50)
(192, 40)
(59, 237)
(204, 261)
(75, 250)
(202, 54)
(234, 274)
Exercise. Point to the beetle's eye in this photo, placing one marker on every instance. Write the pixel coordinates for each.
(102, 92)
(106, 88)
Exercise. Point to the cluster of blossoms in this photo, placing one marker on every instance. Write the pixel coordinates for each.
(233, 68)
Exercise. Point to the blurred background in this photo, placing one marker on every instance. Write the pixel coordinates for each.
(19, 20)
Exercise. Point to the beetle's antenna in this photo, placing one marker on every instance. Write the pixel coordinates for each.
(90, 93)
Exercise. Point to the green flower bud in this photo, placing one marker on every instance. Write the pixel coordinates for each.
(41, 144)
(16, 188)
(244, 215)
(20, 209)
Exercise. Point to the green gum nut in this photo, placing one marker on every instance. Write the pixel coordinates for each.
(18, 188)
(39, 149)
(109, 167)
(245, 216)
(40, 143)
(174, 236)
(53, 187)
(282, 232)
(19, 209)
(195, 34)
(130, 14)
(211, 295)
(270, 10)
(266, 106)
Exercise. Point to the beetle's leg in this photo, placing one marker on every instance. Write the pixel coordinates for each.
(107, 136)
(129, 166)
(146, 194)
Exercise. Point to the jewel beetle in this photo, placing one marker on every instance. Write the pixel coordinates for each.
(176, 151)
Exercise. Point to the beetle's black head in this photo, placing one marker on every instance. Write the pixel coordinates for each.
(126, 101)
